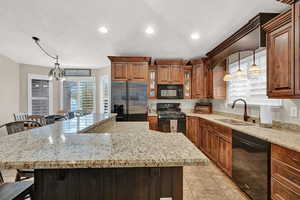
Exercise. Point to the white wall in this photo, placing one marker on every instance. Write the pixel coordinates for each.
(9, 89)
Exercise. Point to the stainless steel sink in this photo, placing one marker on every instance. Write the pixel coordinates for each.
(235, 122)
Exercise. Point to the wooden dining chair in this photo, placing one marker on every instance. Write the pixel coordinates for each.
(19, 126)
(20, 116)
(16, 191)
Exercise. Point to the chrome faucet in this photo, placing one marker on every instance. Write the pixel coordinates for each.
(246, 117)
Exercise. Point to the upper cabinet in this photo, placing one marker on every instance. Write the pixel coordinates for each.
(133, 69)
(282, 70)
(201, 79)
(152, 84)
(219, 85)
(169, 71)
(187, 85)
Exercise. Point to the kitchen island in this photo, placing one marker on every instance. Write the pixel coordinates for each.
(125, 164)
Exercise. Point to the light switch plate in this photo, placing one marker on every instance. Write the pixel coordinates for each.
(294, 112)
(167, 198)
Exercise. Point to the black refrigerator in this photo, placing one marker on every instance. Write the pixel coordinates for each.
(129, 100)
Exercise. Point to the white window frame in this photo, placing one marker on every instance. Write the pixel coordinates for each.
(76, 78)
(228, 100)
(39, 77)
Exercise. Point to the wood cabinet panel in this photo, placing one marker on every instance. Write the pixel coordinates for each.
(199, 84)
(119, 71)
(225, 156)
(291, 158)
(176, 74)
(153, 123)
(214, 145)
(281, 192)
(280, 62)
(187, 85)
(163, 74)
(193, 129)
(138, 72)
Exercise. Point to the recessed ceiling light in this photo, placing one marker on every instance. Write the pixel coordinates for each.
(195, 36)
(149, 30)
(103, 30)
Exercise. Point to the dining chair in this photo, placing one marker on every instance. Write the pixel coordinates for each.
(16, 191)
(38, 118)
(19, 126)
(20, 116)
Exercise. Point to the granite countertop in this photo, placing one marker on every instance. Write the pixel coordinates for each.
(284, 138)
(62, 146)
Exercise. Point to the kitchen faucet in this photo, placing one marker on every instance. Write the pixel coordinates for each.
(246, 117)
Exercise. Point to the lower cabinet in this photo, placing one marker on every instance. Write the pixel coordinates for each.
(212, 139)
(153, 123)
(285, 170)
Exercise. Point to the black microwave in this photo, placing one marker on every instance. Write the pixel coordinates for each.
(170, 91)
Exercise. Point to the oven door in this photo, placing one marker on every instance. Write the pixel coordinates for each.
(170, 92)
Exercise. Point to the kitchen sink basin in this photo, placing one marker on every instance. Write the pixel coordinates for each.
(235, 122)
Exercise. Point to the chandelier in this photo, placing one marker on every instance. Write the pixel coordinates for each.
(56, 73)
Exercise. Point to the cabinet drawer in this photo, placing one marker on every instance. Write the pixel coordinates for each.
(286, 156)
(288, 176)
(281, 192)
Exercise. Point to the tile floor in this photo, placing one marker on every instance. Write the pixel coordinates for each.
(199, 183)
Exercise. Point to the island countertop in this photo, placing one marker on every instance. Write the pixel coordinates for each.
(62, 146)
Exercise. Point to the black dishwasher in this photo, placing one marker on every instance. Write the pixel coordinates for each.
(251, 165)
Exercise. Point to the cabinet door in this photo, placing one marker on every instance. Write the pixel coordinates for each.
(297, 48)
(176, 74)
(281, 62)
(193, 127)
(187, 85)
(225, 156)
(119, 71)
(138, 72)
(163, 74)
(153, 123)
(209, 82)
(199, 84)
(219, 85)
(214, 141)
(152, 86)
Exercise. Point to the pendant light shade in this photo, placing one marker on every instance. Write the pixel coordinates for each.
(240, 74)
(254, 69)
(228, 76)
(56, 73)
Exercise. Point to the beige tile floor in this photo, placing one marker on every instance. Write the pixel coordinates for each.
(199, 183)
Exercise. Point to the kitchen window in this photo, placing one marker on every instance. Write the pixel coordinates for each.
(104, 95)
(253, 90)
(79, 94)
(40, 95)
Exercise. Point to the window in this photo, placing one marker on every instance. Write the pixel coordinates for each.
(79, 94)
(253, 90)
(39, 95)
(104, 92)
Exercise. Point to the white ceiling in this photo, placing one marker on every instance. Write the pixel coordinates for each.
(69, 28)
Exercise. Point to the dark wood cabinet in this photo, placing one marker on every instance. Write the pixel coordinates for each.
(133, 69)
(282, 77)
(285, 172)
(202, 79)
(153, 123)
(169, 71)
(212, 139)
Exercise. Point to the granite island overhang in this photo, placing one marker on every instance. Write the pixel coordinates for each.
(129, 163)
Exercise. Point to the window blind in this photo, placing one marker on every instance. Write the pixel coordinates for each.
(79, 95)
(40, 97)
(252, 88)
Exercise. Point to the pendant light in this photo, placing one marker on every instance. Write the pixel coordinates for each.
(254, 69)
(56, 73)
(228, 76)
(240, 74)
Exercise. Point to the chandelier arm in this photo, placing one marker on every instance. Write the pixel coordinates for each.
(48, 54)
